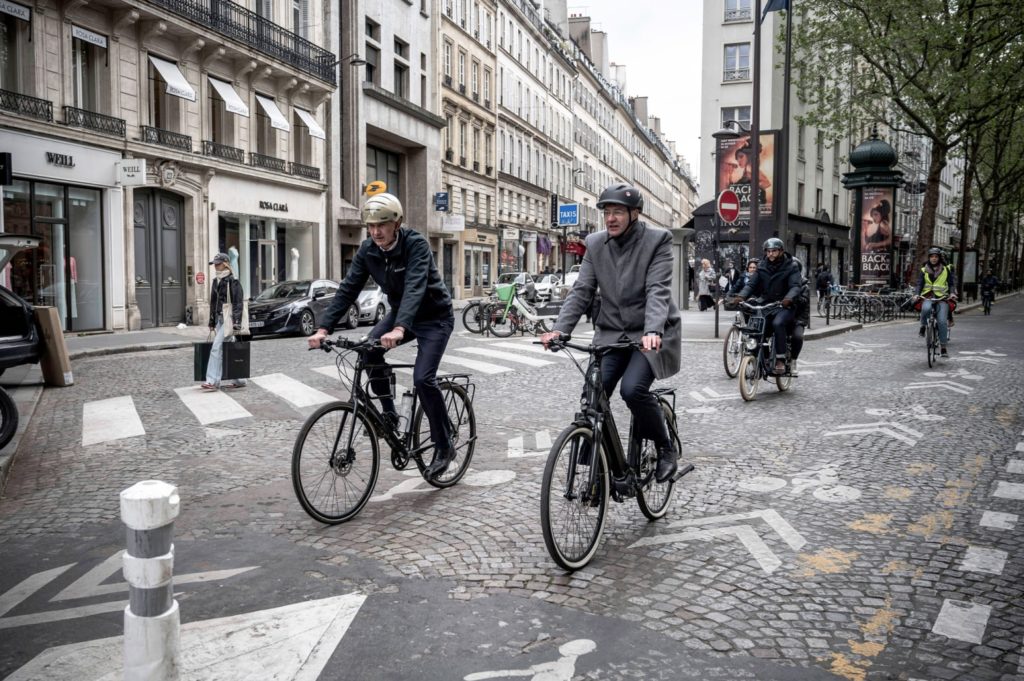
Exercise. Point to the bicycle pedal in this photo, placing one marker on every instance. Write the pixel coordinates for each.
(683, 471)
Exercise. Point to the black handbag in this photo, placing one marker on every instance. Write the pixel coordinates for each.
(200, 359)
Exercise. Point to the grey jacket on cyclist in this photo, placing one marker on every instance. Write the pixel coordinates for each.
(634, 273)
(406, 273)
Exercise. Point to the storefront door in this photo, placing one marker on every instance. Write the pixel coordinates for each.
(266, 265)
(159, 254)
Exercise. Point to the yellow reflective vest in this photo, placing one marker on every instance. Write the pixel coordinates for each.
(939, 287)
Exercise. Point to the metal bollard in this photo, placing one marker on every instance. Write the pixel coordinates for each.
(151, 620)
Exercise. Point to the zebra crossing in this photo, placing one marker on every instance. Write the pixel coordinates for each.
(118, 418)
(966, 620)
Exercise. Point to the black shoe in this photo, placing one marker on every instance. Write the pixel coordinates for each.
(920, 332)
(442, 458)
(391, 420)
(667, 466)
(943, 352)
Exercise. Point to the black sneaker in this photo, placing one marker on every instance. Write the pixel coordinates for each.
(943, 353)
(920, 332)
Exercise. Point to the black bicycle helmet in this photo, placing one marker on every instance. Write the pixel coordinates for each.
(935, 251)
(621, 194)
(774, 242)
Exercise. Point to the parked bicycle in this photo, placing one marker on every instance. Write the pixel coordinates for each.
(759, 356)
(512, 314)
(588, 465)
(336, 457)
(476, 314)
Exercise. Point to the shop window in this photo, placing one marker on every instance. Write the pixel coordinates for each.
(90, 76)
(85, 260)
(15, 51)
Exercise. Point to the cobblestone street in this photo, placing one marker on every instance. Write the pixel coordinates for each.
(865, 524)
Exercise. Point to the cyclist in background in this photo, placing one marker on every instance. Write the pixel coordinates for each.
(631, 262)
(937, 282)
(399, 260)
(989, 284)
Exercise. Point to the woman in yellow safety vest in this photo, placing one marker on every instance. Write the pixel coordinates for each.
(937, 282)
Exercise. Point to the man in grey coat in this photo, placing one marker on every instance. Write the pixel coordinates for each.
(631, 264)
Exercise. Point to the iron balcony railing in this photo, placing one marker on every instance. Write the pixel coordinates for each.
(26, 106)
(308, 172)
(736, 74)
(269, 162)
(223, 151)
(80, 118)
(742, 14)
(247, 27)
(166, 138)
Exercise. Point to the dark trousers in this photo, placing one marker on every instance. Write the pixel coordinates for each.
(637, 376)
(433, 339)
(783, 322)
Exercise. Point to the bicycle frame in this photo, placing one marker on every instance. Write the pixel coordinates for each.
(757, 329)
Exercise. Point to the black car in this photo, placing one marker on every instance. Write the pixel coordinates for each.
(295, 307)
(20, 339)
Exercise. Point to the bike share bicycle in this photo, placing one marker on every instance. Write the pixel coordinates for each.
(336, 457)
(514, 314)
(587, 466)
(759, 356)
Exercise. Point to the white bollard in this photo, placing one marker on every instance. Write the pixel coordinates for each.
(151, 621)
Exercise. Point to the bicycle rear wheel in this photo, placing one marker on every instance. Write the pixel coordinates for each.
(462, 429)
(473, 318)
(732, 352)
(335, 462)
(502, 322)
(653, 497)
(572, 509)
(750, 377)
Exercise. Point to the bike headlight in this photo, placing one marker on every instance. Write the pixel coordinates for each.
(751, 343)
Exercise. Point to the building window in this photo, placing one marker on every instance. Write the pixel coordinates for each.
(401, 87)
(740, 114)
(835, 207)
(800, 198)
(819, 149)
(462, 143)
(300, 17)
(383, 165)
(801, 148)
(462, 69)
(737, 10)
(221, 120)
(89, 75)
(302, 141)
(265, 9)
(487, 150)
(163, 109)
(372, 64)
(487, 87)
(14, 51)
(266, 138)
(817, 202)
(475, 80)
(448, 62)
(737, 62)
(372, 30)
(401, 49)
(476, 149)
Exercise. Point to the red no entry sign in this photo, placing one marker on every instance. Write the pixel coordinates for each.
(728, 206)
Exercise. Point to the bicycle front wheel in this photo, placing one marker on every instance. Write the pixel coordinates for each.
(653, 497)
(502, 323)
(750, 377)
(473, 318)
(335, 463)
(931, 342)
(732, 352)
(574, 498)
(462, 429)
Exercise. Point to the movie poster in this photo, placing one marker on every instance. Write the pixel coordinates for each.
(876, 235)
(735, 168)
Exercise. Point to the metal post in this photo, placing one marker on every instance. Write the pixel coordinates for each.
(755, 133)
(151, 619)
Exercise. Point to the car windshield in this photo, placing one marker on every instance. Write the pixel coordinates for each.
(370, 285)
(286, 289)
(510, 278)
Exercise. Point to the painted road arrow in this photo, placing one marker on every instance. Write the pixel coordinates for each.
(765, 557)
(292, 642)
(713, 396)
(893, 430)
(942, 385)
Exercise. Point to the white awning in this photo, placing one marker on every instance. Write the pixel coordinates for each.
(277, 119)
(232, 101)
(176, 83)
(314, 128)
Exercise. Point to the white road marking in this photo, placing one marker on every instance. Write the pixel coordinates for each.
(539, 350)
(482, 367)
(211, 407)
(893, 430)
(997, 520)
(27, 587)
(1009, 490)
(294, 392)
(980, 559)
(1019, 447)
(110, 419)
(508, 356)
(764, 556)
(1015, 466)
(332, 372)
(962, 620)
(543, 439)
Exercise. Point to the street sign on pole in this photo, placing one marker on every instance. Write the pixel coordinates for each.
(569, 215)
(728, 206)
(441, 201)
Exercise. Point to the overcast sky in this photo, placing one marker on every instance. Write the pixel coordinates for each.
(659, 41)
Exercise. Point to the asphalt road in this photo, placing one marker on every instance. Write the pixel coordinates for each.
(865, 524)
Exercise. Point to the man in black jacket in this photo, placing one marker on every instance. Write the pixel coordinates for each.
(399, 260)
(778, 279)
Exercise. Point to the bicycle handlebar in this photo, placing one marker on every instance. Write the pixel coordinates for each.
(364, 343)
(768, 306)
(563, 342)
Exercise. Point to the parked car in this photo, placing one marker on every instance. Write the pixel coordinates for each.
(524, 282)
(546, 284)
(572, 275)
(295, 307)
(372, 303)
(20, 338)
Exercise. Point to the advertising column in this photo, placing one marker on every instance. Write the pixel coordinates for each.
(876, 252)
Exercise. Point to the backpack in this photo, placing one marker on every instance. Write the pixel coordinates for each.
(824, 279)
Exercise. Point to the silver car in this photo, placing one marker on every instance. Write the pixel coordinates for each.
(372, 303)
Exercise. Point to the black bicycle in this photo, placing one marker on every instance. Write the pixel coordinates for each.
(931, 330)
(587, 466)
(732, 349)
(336, 457)
(759, 353)
(987, 296)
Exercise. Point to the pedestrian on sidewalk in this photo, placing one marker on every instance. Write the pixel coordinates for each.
(707, 283)
(225, 287)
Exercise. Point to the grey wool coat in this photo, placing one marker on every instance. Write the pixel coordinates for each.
(634, 275)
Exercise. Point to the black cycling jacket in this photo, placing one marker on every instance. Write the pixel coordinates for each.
(406, 273)
(775, 282)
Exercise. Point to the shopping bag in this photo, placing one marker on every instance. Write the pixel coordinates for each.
(200, 360)
(236, 360)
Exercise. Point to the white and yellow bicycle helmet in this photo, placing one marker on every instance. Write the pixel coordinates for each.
(382, 208)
